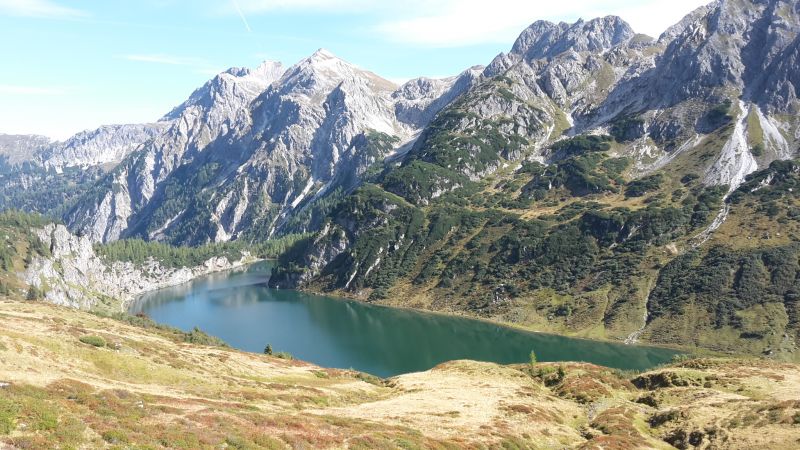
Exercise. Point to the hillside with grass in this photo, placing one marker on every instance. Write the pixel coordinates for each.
(70, 379)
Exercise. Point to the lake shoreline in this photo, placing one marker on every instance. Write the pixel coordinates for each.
(692, 351)
(127, 304)
(336, 331)
(341, 296)
(350, 298)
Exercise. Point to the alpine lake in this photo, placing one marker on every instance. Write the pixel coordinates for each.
(238, 307)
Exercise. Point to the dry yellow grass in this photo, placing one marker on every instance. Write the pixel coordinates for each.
(145, 390)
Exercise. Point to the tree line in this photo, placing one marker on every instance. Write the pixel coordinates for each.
(139, 251)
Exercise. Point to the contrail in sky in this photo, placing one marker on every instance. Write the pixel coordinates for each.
(241, 14)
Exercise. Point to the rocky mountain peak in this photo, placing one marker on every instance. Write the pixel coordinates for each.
(320, 60)
(546, 39)
(271, 70)
(235, 85)
(268, 69)
(537, 32)
(728, 44)
(323, 71)
(418, 100)
(322, 54)
(675, 30)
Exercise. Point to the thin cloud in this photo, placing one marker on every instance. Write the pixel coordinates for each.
(241, 15)
(451, 23)
(258, 6)
(12, 89)
(164, 59)
(209, 72)
(457, 23)
(39, 8)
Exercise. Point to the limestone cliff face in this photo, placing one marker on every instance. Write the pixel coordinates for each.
(76, 276)
(19, 148)
(733, 53)
(107, 145)
(252, 148)
(106, 212)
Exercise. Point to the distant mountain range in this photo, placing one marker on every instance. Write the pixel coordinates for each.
(590, 181)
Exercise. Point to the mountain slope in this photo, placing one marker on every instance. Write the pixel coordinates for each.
(105, 146)
(714, 72)
(272, 143)
(211, 111)
(587, 174)
(37, 175)
(16, 149)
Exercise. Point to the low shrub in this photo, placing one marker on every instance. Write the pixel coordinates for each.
(198, 336)
(95, 341)
(371, 379)
(115, 437)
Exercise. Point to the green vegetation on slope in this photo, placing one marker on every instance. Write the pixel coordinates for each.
(138, 251)
(17, 248)
(30, 188)
(576, 246)
(459, 145)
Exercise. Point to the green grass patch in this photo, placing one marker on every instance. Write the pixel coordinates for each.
(95, 341)
(198, 336)
(115, 437)
(8, 416)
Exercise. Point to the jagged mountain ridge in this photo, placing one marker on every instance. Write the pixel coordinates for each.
(83, 158)
(580, 78)
(104, 146)
(556, 67)
(292, 136)
(43, 176)
(18, 148)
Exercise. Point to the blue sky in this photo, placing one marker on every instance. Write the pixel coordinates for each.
(74, 65)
